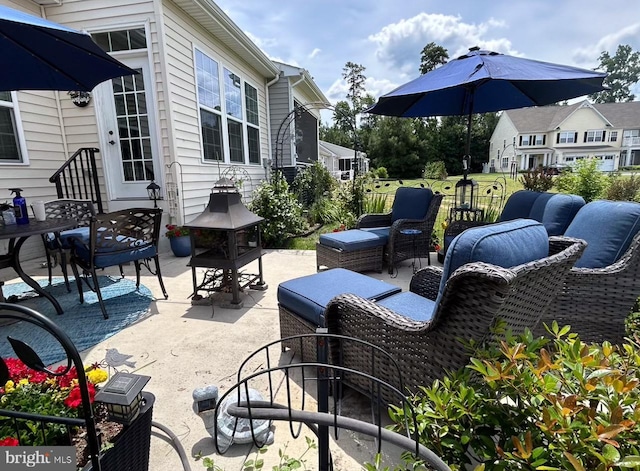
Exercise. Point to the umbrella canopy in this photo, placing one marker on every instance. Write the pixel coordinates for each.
(484, 81)
(41, 55)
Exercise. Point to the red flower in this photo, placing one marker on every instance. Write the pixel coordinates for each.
(74, 400)
(9, 441)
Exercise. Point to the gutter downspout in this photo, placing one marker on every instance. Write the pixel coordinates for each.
(274, 80)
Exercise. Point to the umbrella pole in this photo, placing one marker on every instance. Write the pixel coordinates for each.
(466, 159)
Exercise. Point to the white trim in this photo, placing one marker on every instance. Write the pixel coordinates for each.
(22, 143)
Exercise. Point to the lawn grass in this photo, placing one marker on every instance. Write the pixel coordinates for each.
(447, 187)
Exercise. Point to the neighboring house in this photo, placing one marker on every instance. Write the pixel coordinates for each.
(295, 102)
(560, 135)
(339, 160)
(199, 106)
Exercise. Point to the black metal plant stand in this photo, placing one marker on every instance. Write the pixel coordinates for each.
(328, 379)
(30, 358)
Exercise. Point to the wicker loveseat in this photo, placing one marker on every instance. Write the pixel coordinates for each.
(424, 329)
(413, 208)
(600, 291)
(554, 210)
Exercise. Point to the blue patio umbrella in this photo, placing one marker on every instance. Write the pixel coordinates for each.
(37, 54)
(483, 81)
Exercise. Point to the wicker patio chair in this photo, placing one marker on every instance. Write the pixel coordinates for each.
(600, 291)
(413, 208)
(117, 238)
(57, 248)
(463, 308)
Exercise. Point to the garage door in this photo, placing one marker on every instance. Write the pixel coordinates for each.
(607, 163)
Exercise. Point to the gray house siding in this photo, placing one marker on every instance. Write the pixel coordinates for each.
(280, 104)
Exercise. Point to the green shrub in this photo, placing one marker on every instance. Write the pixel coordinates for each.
(280, 209)
(622, 188)
(536, 404)
(536, 180)
(375, 203)
(381, 172)
(325, 211)
(585, 180)
(436, 170)
(312, 184)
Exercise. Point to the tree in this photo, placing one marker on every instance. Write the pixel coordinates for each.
(432, 56)
(623, 70)
(355, 78)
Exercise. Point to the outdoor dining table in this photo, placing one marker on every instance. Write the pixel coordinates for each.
(17, 235)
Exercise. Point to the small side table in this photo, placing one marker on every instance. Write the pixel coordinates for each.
(414, 233)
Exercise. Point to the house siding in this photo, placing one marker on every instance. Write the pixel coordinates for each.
(198, 177)
(281, 103)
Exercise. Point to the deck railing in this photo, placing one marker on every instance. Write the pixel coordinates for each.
(77, 178)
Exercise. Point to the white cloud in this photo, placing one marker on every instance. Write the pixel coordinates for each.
(315, 53)
(399, 44)
(588, 56)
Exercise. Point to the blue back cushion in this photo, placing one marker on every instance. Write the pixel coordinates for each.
(505, 244)
(519, 205)
(558, 212)
(608, 227)
(411, 203)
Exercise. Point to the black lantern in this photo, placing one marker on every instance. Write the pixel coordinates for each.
(122, 396)
(467, 194)
(154, 193)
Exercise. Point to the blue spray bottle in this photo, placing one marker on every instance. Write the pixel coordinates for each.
(20, 207)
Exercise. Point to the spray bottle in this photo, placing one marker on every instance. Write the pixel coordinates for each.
(20, 207)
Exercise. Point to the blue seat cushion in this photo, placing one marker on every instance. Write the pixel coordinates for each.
(308, 296)
(352, 240)
(127, 250)
(505, 244)
(410, 305)
(79, 233)
(519, 205)
(608, 227)
(558, 212)
(411, 203)
(381, 232)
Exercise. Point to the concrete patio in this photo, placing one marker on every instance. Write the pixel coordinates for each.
(184, 347)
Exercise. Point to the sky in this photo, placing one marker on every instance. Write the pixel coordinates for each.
(387, 36)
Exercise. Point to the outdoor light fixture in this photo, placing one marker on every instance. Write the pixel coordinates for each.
(122, 396)
(80, 99)
(154, 193)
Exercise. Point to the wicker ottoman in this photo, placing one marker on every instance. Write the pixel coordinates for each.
(354, 250)
(302, 302)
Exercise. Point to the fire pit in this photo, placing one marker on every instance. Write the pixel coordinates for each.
(232, 241)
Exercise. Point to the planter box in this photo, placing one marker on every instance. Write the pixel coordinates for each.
(131, 449)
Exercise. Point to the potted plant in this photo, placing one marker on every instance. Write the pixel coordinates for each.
(180, 240)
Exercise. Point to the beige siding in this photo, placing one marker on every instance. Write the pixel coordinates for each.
(181, 36)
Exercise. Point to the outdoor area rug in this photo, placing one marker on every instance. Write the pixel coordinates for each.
(83, 323)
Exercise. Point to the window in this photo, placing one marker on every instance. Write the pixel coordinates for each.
(525, 140)
(613, 136)
(505, 162)
(539, 139)
(566, 137)
(229, 113)
(123, 40)
(594, 136)
(10, 145)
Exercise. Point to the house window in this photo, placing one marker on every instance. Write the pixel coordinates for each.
(613, 136)
(594, 136)
(566, 137)
(229, 113)
(539, 139)
(525, 140)
(122, 40)
(253, 129)
(505, 162)
(10, 146)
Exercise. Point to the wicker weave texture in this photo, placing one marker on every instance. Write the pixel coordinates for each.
(596, 301)
(476, 296)
(402, 246)
(356, 260)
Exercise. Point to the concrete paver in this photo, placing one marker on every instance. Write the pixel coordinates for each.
(183, 347)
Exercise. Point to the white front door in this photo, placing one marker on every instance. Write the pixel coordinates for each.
(128, 136)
